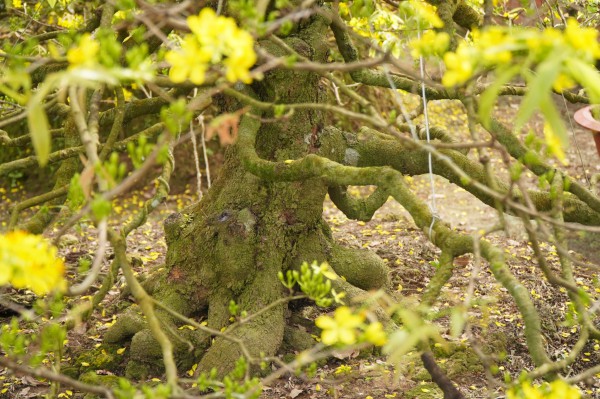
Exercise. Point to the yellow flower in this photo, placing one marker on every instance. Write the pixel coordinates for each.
(191, 62)
(341, 329)
(70, 21)
(582, 38)
(27, 261)
(460, 66)
(427, 13)
(324, 269)
(85, 53)
(495, 44)
(214, 39)
(563, 82)
(554, 143)
(557, 389)
(17, 3)
(431, 43)
(561, 390)
(241, 57)
(374, 334)
(344, 11)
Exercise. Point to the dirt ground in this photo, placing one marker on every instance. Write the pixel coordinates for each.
(495, 326)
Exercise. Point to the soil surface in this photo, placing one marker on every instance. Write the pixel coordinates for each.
(495, 327)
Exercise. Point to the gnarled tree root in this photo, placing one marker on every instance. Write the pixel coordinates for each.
(264, 335)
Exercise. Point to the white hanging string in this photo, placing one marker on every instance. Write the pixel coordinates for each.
(432, 205)
(413, 130)
(196, 158)
(400, 103)
(203, 140)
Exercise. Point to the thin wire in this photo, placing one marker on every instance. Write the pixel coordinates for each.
(203, 140)
(413, 130)
(196, 158)
(432, 204)
(400, 102)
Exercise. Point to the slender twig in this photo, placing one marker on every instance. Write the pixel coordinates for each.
(52, 376)
(92, 276)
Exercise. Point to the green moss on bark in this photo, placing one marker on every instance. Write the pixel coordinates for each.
(232, 244)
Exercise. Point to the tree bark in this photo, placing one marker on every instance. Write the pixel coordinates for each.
(232, 244)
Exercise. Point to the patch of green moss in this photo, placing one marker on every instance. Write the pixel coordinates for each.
(463, 362)
(93, 378)
(104, 357)
(424, 390)
(141, 371)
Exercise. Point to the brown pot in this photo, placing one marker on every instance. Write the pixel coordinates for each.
(585, 118)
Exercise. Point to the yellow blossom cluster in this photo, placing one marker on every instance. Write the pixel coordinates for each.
(431, 43)
(500, 46)
(387, 28)
(85, 53)
(382, 28)
(28, 261)
(348, 328)
(557, 389)
(214, 39)
(424, 12)
(70, 21)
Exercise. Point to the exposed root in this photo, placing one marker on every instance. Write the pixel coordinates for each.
(363, 269)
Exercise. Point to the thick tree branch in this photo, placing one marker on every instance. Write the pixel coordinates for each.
(71, 152)
(374, 151)
(441, 235)
(52, 376)
(357, 208)
(518, 151)
(439, 377)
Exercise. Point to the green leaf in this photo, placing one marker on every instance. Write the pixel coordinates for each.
(39, 129)
(101, 208)
(553, 118)
(362, 8)
(399, 343)
(458, 319)
(540, 87)
(587, 75)
(488, 98)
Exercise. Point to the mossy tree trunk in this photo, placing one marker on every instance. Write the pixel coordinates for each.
(232, 244)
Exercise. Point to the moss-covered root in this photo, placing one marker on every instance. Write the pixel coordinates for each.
(359, 267)
(145, 355)
(296, 339)
(126, 326)
(261, 336)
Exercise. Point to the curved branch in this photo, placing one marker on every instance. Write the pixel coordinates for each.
(378, 78)
(358, 208)
(439, 279)
(25, 139)
(71, 152)
(33, 201)
(518, 151)
(376, 152)
(441, 235)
